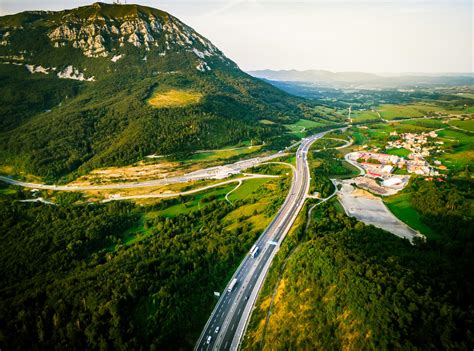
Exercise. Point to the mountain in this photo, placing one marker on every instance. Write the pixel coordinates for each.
(320, 76)
(108, 84)
(363, 80)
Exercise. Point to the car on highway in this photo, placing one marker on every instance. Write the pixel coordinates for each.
(217, 330)
(246, 298)
(209, 338)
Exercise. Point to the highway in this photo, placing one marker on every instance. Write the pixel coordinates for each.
(233, 310)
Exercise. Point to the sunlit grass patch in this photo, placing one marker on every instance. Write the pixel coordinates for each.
(174, 98)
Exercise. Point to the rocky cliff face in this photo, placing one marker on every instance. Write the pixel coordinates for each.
(103, 31)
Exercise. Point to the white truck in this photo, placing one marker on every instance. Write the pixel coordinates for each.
(254, 251)
(233, 283)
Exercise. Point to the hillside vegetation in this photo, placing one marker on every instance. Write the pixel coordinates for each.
(349, 286)
(104, 113)
(120, 276)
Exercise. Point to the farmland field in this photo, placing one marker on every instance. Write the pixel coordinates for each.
(459, 147)
(390, 111)
(364, 116)
(426, 123)
(467, 124)
(400, 111)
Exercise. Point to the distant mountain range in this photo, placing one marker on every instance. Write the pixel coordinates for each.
(75, 84)
(364, 80)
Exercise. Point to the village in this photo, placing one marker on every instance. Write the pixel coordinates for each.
(386, 174)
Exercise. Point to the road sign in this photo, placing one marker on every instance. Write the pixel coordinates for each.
(216, 293)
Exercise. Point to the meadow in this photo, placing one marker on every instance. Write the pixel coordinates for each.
(222, 154)
(400, 206)
(398, 152)
(327, 143)
(174, 98)
(298, 128)
(364, 116)
(459, 149)
(392, 111)
(466, 124)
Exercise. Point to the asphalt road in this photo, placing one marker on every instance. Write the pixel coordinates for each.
(232, 312)
(217, 172)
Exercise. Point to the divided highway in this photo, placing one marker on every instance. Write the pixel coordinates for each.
(226, 326)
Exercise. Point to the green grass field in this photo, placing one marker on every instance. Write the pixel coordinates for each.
(364, 116)
(398, 152)
(196, 201)
(425, 123)
(376, 135)
(224, 153)
(352, 171)
(266, 121)
(391, 111)
(139, 232)
(327, 143)
(459, 148)
(337, 205)
(299, 128)
(174, 98)
(264, 196)
(337, 115)
(400, 206)
(8, 191)
(467, 124)
(247, 188)
(400, 111)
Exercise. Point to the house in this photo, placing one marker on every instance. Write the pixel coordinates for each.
(387, 169)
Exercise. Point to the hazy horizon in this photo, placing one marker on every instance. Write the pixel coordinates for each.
(393, 37)
(388, 74)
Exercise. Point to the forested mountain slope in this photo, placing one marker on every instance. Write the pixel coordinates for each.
(76, 84)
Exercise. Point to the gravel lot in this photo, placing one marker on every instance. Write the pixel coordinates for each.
(371, 210)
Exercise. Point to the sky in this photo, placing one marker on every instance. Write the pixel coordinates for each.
(382, 36)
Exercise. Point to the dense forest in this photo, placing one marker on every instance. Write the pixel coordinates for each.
(446, 206)
(70, 278)
(345, 285)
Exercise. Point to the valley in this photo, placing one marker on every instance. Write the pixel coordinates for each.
(153, 195)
